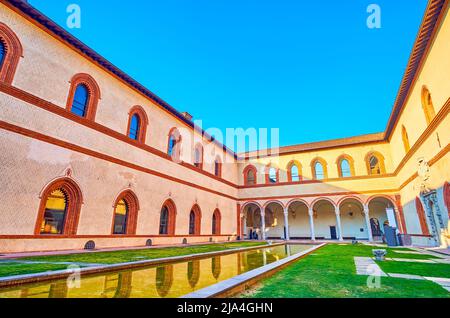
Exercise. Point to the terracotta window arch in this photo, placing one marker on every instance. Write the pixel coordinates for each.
(216, 222)
(195, 219)
(167, 218)
(422, 217)
(59, 210)
(11, 53)
(319, 169)
(137, 124)
(174, 144)
(346, 167)
(375, 163)
(218, 167)
(198, 156)
(427, 105)
(84, 94)
(272, 174)
(405, 139)
(294, 171)
(249, 175)
(126, 210)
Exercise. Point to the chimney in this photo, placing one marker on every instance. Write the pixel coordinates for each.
(187, 115)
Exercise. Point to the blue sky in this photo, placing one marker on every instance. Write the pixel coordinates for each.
(310, 68)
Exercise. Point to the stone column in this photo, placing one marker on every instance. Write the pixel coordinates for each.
(369, 228)
(244, 226)
(286, 223)
(311, 223)
(338, 223)
(263, 224)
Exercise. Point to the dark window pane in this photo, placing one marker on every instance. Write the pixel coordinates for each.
(192, 223)
(214, 221)
(134, 127)
(80, 100)
(374, 165)
(217, 168)
(164, 221)
(2, 52)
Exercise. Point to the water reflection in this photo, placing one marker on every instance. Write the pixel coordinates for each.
(170, 280)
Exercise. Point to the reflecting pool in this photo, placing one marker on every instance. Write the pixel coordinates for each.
(168, 280)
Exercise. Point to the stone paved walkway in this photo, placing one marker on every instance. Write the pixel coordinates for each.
(366, 266)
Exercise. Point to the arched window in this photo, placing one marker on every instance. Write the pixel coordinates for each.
(218, 167)
(216, 220)
(195, 220)
(167, 218)
(345, 166)
(174, 144)
(80, 100)
(10, 53)
(250, 175)
(137, 124)
(125, 213)
(83, 96)
(427, 105)
(198, 156)
(375, 163)
(59, 209)
(272, 175)
(120, 217)
(405, 139)
(319, 169)
(293, 171)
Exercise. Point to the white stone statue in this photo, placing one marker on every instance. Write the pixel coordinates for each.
(423, 172)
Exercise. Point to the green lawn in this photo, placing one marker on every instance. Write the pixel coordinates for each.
(141, 254)
(330, 272)
(11, 269)
(422, 269)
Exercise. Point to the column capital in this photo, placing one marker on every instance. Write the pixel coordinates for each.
(310, 211)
